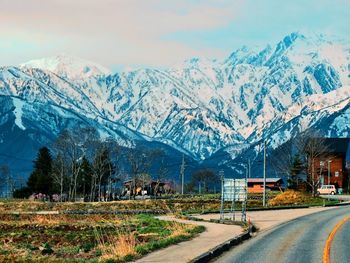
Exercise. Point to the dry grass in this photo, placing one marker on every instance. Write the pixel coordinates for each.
(88, 238)
(115, 246)
(61, 219)
(180, 229)
(291, 197)
(47, 219)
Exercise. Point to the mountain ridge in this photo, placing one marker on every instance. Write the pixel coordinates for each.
(204, 106)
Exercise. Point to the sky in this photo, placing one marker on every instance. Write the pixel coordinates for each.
(122, 34)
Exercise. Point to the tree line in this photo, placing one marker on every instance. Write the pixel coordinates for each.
(81, 165)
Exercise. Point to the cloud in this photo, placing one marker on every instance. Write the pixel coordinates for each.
(156, 32)
(113, 32)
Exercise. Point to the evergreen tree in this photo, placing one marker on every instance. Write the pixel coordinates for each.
(295, 170)
(40, 180)
(85, 178)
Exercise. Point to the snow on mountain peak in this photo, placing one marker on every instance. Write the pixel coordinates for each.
(201, 105)
(68, 66)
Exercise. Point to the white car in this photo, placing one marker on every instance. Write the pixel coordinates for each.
(327, 190)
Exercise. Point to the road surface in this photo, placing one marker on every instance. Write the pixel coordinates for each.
(301, 240)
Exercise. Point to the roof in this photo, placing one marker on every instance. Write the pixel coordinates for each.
(261, 180)
(337, 145)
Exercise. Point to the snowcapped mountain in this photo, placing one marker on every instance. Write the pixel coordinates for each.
(201, 107)
(68, 66)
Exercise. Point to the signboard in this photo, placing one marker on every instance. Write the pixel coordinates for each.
(336, 173)
(234, 189)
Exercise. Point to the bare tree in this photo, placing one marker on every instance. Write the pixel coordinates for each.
(102, 168)
(162, 175)
(205, 177)
(6, 181)
(282, 158)
(114, 166)
(140, 161)
(286, 161)
(73, 146)
(312, 148)
(59, 173)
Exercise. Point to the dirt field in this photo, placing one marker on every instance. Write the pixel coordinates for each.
(86, 238)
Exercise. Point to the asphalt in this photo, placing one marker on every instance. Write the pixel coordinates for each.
(340, 251)
(301, 240)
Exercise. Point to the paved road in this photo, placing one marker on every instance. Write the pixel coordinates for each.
(340, 251)
(214, 235)
(300, 240)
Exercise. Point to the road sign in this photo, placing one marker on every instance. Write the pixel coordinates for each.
(234, 189)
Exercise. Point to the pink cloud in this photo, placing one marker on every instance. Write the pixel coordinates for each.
(114, 31)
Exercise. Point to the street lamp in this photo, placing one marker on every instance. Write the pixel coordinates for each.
(264, 194)
(329, 171)
(329, 174)
(321, 176)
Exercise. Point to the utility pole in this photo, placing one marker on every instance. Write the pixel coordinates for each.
(329, 172)
(244, 203)
(221, 174)
(264, 195)
(329, 175)
(182, 173)
(143, 185)
(233, 205)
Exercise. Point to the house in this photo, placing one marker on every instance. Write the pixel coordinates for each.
(331, 166)
(256, 185)
(152, 187)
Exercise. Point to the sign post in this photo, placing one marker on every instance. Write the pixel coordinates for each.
(233, 190)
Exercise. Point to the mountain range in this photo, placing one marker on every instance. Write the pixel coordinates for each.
(214, 111)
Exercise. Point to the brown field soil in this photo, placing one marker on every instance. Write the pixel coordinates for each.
(86, 238)
(175, 205)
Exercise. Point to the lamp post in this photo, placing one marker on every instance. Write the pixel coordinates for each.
(321, 176)
(143, 186)
(329, 172)
(264, 195)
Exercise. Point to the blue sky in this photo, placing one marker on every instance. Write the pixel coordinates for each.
(157, 33)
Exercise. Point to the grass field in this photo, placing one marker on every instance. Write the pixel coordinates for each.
(85, 232)
(187, 204)
(86, 238)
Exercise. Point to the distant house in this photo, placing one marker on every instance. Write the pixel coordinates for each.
(335, 158)
(153, 188)
(256, 185)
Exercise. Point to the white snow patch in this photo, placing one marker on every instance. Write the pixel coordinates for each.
(18, 112)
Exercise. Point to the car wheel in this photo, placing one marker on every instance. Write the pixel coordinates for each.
(332, 193)
(318, 193)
